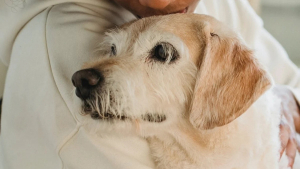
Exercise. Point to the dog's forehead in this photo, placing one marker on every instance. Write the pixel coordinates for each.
(175, 23)
(186, 27)
(182, 26)
(191, 29)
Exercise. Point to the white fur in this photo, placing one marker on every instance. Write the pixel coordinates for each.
(251, 141)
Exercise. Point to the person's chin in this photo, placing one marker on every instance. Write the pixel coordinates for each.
(192, 7)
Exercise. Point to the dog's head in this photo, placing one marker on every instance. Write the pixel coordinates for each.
(171, 67)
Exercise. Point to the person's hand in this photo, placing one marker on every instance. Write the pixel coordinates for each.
(290, 123)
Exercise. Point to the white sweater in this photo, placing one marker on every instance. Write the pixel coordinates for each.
(43, 42)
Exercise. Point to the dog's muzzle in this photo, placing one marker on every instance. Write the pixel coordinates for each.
(86, 81)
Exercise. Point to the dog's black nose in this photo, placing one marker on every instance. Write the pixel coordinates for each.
(85, 81)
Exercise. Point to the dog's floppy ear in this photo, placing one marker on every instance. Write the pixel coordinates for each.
(228, 81)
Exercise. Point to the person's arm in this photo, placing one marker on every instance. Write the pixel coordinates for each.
(287, 79)
(39, 102)
(3, 70)
(2, 80)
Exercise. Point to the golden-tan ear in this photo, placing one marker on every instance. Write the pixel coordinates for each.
(228, 81)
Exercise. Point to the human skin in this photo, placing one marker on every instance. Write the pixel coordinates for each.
(290, 119)
(289, 124)
(144, 8)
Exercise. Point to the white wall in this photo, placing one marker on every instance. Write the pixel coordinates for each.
(281, 2)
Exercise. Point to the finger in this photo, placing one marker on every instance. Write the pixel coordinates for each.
(298, 142)
(290, 151)
(284, 137)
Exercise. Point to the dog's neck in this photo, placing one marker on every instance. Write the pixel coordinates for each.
(222, 145)
(195, 142)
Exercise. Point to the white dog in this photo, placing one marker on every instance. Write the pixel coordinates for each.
(191, 87)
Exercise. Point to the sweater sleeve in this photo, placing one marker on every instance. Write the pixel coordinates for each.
(277, 62)
(13, 16)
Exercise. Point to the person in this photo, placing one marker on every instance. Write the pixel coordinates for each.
(44, 42)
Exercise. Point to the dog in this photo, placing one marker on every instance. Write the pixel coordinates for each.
(190, 86)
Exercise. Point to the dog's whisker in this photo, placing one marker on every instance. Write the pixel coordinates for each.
(97, 105)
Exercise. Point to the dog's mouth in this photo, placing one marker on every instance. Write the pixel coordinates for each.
(156, 118)
(109, 116)
(87, 109)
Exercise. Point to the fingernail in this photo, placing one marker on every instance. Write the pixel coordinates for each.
(290, 162)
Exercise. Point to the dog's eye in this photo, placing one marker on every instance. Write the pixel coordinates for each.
(164, 52)
(113, 49)
(160, 53)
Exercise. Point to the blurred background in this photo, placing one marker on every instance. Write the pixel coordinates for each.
(281, 18)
